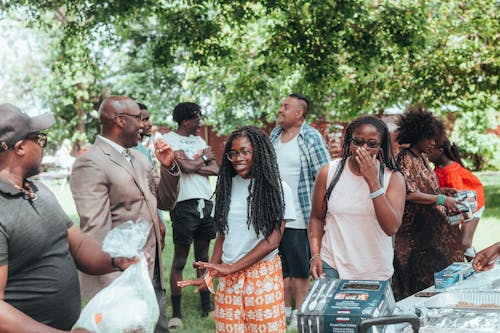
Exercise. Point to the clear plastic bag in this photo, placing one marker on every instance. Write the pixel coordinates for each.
(128, 304)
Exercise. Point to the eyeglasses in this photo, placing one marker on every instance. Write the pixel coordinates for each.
(136, 116)
(233, 154)
(40, 138)
(370, 144)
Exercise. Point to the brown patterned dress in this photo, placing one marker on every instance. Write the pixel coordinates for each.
(425, 243)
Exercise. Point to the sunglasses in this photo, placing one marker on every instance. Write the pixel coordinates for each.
(370, 144)
(136, 116)
(233, 154)
(40, 138)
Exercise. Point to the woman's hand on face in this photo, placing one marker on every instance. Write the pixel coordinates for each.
(367, 164)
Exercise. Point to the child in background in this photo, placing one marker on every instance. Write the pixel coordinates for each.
(451, 173)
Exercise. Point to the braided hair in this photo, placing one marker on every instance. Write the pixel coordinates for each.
(265, 200)
(450, 150)
(385, 155)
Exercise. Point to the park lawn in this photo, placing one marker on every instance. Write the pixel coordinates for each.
(487, 233)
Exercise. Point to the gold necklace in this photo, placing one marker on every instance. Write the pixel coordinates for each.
(27, 191)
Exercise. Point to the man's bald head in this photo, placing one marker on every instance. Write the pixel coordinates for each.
(121, 120)
(113, 106)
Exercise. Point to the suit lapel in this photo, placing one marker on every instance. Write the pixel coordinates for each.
(117, 158)
(122, 162)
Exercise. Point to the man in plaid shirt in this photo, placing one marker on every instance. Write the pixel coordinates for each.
(301, 152)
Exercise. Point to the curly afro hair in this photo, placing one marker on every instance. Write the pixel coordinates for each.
(419, 124)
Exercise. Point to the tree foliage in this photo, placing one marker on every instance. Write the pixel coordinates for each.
(239, 59)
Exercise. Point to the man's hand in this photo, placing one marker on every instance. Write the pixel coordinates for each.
(163, 230)
(122, 263)
(484, 259)
(209, 154)
(164, 153)
(181, 155)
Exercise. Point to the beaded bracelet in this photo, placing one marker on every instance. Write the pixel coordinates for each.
(377, 193)
(317, 255)
(441, 199)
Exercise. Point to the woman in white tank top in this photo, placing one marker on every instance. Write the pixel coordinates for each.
(357, 205)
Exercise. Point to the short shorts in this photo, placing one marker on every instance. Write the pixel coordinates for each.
(192, 219)
(294, 253)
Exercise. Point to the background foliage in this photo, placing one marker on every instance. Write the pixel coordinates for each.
(239, 59)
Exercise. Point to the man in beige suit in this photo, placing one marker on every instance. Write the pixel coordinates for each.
(112, 184)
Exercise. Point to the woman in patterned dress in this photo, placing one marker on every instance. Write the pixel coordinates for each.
(251, 209)
(426, 242)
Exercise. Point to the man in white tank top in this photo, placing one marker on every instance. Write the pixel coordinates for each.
(301, 151)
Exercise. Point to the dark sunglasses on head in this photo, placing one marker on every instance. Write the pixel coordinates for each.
(370, 144)
(136, 116)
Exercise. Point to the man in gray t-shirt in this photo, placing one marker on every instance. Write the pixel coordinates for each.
(40, 248)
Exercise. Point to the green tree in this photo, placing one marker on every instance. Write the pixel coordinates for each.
(239, 59)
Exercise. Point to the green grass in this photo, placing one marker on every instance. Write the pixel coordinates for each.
(487, 232)
(488, 229)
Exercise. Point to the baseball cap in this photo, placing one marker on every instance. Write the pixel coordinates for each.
(16, 125)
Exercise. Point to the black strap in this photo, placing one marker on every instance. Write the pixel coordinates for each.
(381, 174)
(335, 179)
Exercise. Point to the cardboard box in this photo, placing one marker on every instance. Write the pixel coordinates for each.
(468, 205)
(468, 197)
(452, 274)
(338, 306)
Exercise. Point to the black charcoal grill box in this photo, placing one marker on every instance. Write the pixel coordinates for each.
(338, 306)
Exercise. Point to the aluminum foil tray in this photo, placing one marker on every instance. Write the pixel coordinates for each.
(475, 301)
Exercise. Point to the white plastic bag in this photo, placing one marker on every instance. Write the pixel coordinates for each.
(128, 304)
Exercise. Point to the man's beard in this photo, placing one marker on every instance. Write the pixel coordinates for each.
(33, 171)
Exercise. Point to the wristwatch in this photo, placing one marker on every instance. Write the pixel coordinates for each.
(114, 265)
(204, 158)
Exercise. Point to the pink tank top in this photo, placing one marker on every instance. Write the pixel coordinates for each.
(354, 243)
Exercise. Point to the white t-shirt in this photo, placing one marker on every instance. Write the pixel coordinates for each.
(288, 158)
(191, 185)
(241, 238)
(354, 243)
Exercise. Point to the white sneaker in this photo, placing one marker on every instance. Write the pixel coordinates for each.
(293, 320)
(288, 314)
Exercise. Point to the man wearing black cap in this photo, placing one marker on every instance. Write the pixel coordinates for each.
(40, 248)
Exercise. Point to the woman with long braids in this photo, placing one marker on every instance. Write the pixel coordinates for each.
(358, 203)
(450, 172)
(252, 206)
(426, 242)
